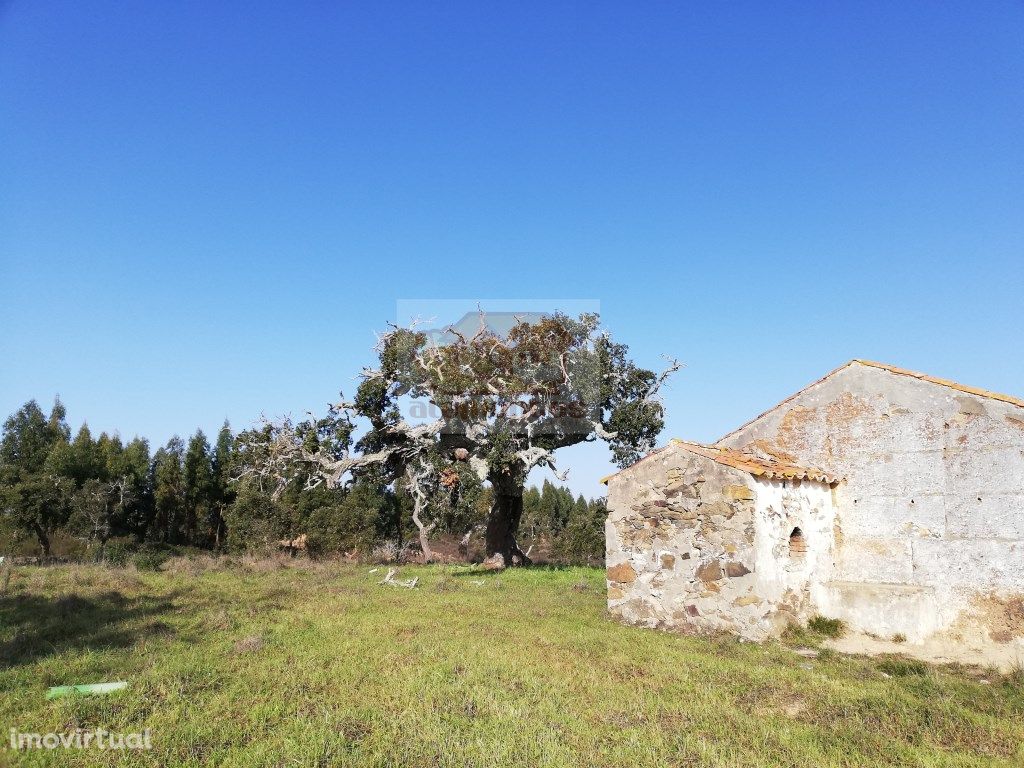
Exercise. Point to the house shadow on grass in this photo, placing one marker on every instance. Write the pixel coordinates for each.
(45, 627)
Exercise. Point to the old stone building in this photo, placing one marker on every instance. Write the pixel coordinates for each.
(887, 498)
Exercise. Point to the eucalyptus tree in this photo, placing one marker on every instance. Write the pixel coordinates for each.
(221, 464)
(168, 482)
(198, 497)
(112, 486)
(36, 500)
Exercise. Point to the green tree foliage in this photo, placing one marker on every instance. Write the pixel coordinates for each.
(134, 465)
(199, 493)
(348, 520)
(334, 520)
(39, 505)
(582, 538)
(112, 493)
(29, 437)
(34, 499)
(115, 497)
(461, 504)
(222, 465)
(255, 521)
(169, 491)
(562, 528)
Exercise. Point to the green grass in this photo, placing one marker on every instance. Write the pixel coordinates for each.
(257, 664)
(817, 631)
(827, 627)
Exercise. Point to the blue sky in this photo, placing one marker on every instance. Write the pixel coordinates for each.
(207, 209)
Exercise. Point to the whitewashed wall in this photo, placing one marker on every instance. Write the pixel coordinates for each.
(930, 522)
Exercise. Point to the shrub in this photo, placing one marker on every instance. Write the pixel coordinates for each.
(582, 542)
(827, 627)
(386, 552)
(254, 521)
(150, 558)
(346, 522)
(118, 552)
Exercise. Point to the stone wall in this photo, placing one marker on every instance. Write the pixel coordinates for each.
(930, 530)
(687, 540)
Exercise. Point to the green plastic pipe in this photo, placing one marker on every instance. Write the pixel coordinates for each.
(88, 689)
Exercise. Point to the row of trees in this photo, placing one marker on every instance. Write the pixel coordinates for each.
(505, 402)
(74, 495)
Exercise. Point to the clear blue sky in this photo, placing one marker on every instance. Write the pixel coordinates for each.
(207, 208)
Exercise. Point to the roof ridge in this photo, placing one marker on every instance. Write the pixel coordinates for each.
(781, 403)
(942, 382)
(895, 369)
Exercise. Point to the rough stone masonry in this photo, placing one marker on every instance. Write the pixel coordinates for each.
(912, 528)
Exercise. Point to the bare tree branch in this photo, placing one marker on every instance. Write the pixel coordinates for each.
(673, 366)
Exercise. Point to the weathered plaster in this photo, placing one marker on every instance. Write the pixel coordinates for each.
(931, 514)
(785, 578)
(695, 545)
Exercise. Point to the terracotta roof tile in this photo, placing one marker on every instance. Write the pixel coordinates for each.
(759, 465)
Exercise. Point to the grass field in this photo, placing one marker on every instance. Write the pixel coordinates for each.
(261, 663)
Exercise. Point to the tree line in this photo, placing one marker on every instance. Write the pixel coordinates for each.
(86, 497)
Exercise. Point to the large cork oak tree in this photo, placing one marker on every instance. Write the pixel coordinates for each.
(502, 405)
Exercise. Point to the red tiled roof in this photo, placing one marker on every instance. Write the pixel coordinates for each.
(758, 465)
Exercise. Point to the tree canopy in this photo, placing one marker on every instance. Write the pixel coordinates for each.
(503, 405)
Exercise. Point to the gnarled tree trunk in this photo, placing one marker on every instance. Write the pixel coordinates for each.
(424, 531)
(503, 522)
(419, 503)
(44, 539)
